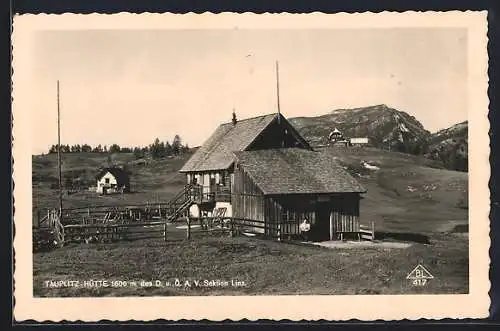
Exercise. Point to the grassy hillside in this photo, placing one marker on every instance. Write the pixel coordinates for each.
(263, 267)
(150, 180)
(409, 198)
(451, 146)
(407, 194)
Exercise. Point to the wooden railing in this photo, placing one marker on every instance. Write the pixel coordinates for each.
(199, 193)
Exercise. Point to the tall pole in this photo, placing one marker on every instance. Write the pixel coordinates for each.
(278, 89)
(59, 150)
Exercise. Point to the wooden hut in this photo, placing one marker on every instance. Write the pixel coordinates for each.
(261, 169)
(282, 187)
(211, 168)
(112, 180)
(336, 138)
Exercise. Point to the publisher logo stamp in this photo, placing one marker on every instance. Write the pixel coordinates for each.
(419, 276)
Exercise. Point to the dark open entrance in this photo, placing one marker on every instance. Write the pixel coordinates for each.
(321, 229)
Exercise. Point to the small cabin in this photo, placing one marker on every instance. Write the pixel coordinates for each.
(262, 170)
(283, 187)
(336, 138)
(112, 180)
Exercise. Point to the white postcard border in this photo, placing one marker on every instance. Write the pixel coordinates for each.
(216, 308)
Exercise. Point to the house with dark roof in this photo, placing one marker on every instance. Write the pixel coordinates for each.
(336, 138)
(265, 173)
(112, 180)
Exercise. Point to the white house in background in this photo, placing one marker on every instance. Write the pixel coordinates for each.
(112, 180)
(336, 138)
(358, 141)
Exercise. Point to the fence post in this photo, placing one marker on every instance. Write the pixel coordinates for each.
(188, 232)
(165, 231)
(373, 230)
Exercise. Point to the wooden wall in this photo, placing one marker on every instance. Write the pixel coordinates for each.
(328, 214)
(247, 200)
(345, 213)
(291, 210)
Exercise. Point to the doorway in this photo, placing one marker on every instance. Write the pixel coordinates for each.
(321, 231)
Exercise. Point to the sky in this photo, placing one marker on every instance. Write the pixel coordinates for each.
(129, 87)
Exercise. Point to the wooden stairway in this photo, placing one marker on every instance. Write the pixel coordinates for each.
(180, 203)
(180, 210)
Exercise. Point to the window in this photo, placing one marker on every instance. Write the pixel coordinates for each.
(106, 180)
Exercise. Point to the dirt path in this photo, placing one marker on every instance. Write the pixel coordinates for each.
(357, 244)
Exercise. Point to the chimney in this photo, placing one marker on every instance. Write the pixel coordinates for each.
(234, 120)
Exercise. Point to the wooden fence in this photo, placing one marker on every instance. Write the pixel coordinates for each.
(278, 231)
(367, 232)
(114, 232)
(114, 223)
(105, 213)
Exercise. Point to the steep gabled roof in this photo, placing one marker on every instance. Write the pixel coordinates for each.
(121, 175)
(296, 170)
(216, 152)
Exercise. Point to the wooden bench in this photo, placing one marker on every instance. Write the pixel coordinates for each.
(365, 232)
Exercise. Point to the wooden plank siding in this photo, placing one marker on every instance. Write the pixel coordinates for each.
(345, 213)
(328, 214)
(288, 211)
(247, 200)
(278, 135)
(273, 216)
(293, 209)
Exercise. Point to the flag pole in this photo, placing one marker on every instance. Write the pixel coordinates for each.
(278, 89)
(59, 151)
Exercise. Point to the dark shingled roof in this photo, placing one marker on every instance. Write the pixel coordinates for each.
(216, 152)
(122, 177)
(296, 170)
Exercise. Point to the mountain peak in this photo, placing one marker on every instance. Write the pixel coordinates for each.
(385, 127)
(380, 107)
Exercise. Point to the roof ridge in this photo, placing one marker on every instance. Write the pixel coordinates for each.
(250, 118)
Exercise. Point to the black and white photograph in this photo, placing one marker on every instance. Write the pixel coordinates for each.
(251, 156)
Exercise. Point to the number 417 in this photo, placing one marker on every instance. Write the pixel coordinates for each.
(419, 282)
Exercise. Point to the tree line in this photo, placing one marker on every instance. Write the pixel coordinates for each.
(157, 149)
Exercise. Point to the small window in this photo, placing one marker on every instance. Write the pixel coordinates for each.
(106, 180)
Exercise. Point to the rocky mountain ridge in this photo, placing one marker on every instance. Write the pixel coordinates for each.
(390, 129)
